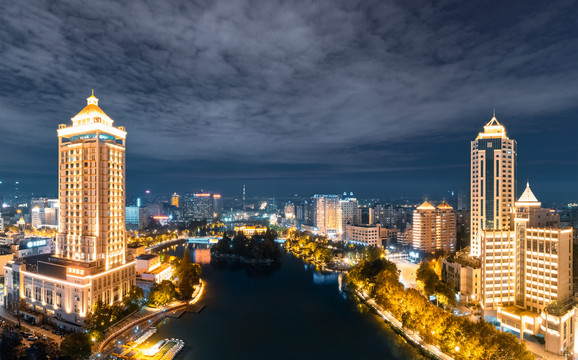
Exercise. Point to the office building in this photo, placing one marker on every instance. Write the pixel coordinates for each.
(527, 275)
(327, 215)
(202, 206)
(134, 217)
(90, 262)
(493, 182)
(434, 228)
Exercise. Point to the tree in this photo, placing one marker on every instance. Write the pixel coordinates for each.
(44, 349)
(76, 346)
(11, 346)
(188, 275)
(163, 293)
(133, 298)
(103, 316)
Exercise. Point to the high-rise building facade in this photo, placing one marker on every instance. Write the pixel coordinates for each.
(90, 263)
(348, 206)
(202, 206)
(434, 228)
(327, 214)
(493, 181)
(527, 275)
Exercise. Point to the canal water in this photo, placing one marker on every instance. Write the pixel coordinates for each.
(284, 311)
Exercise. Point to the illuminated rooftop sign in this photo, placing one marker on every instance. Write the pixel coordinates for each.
(75, 271)
(36, 243)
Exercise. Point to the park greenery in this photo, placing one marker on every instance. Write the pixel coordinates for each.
(320, 250)
(187, 276)
(455, 335)
(254, 248)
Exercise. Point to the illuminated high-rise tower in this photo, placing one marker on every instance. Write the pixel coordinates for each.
(92, 189)
(493, 181)
(90, 263)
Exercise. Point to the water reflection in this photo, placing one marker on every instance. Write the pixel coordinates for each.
(325, 278)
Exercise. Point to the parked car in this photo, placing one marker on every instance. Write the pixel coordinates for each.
(32, 338)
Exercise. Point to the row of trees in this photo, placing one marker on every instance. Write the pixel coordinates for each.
(457, 336)
(257, 247)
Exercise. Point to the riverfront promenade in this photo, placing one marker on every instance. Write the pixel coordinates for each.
(415, 338)
(144, 320)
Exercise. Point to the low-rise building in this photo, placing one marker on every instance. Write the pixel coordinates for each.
(251, 230)
(150, 268)
(369, 235)
(464, 273)
(135, 249)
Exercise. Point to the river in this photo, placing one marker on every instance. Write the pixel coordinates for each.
(284, 311)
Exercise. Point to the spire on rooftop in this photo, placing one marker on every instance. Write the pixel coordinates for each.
(528, 196)
(92, 100)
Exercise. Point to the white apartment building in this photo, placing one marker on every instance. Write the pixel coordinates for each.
(493, 182)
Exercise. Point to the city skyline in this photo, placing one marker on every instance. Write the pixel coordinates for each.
(192, 112)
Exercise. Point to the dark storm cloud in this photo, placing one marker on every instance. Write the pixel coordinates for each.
(270, 89)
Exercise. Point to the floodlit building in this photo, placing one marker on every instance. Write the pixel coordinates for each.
(434, 228)
(369, 235)
(527, 275)
(327, 215)
(251, 230)
(150, 268)
(493, 182)
(90, 262)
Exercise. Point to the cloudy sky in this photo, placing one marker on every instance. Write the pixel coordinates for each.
(377, 97)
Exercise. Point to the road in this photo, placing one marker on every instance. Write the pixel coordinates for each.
(408, 272)
(38, 331)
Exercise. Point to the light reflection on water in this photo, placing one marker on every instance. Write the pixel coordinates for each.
(285, 311)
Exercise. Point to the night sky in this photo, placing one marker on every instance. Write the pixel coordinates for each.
(381, 98)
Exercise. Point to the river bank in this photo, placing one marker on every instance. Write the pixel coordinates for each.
(284, 311)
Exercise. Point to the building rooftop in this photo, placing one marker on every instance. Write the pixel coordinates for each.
(528, 196)
(445, 205)
(158, 269)
(426, 206)
(147, 257)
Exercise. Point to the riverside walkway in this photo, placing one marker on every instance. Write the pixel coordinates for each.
(415, 338)
(149, 319)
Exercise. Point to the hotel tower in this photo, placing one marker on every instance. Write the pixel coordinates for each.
(90, 263)
(493, 182)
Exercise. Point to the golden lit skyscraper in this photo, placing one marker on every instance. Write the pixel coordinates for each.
(175, 200)
(493, 182)
(92, 188)
(90, 262)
